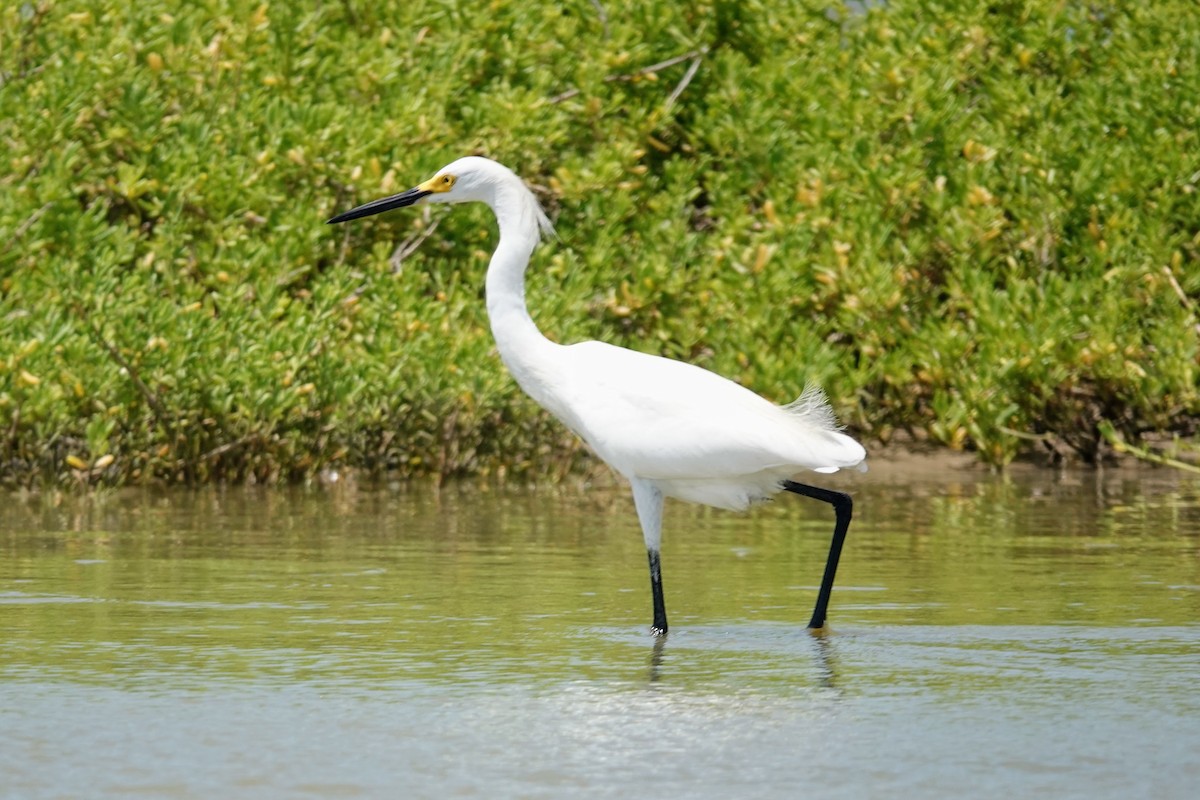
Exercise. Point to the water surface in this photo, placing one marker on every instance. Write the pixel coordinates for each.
(991, 636)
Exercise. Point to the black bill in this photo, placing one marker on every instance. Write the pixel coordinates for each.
(406, 198)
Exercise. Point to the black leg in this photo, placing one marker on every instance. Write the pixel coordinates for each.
(842, 507)
(659, 628)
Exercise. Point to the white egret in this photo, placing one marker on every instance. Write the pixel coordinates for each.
(670, 428)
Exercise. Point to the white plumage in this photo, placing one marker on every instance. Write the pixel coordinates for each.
(689, 432)
(670, 428)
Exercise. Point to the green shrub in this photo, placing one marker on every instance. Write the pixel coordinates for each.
(975, 223)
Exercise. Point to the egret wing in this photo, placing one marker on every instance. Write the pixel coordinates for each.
(662, 419)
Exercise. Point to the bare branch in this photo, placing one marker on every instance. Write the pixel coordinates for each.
(24, 227)
(603, 15)
(670, 62)
(410, 245)
(687, 78)
(134, 376)
(692, 55)
(1183, 298)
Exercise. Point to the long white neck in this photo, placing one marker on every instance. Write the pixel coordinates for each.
(523, 348)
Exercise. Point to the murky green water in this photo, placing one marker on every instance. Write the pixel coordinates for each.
(1036, 635)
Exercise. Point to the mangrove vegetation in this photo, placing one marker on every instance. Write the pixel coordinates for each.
(975, 224)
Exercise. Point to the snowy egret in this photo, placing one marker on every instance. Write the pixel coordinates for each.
(670, 428)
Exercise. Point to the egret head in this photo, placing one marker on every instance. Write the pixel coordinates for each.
(466, 180)
(470, 179)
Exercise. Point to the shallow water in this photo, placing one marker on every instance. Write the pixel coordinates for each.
(1030, 635)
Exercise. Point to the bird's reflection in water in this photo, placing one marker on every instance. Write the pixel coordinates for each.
(825, 657)
(656, 658)
(823, 651)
